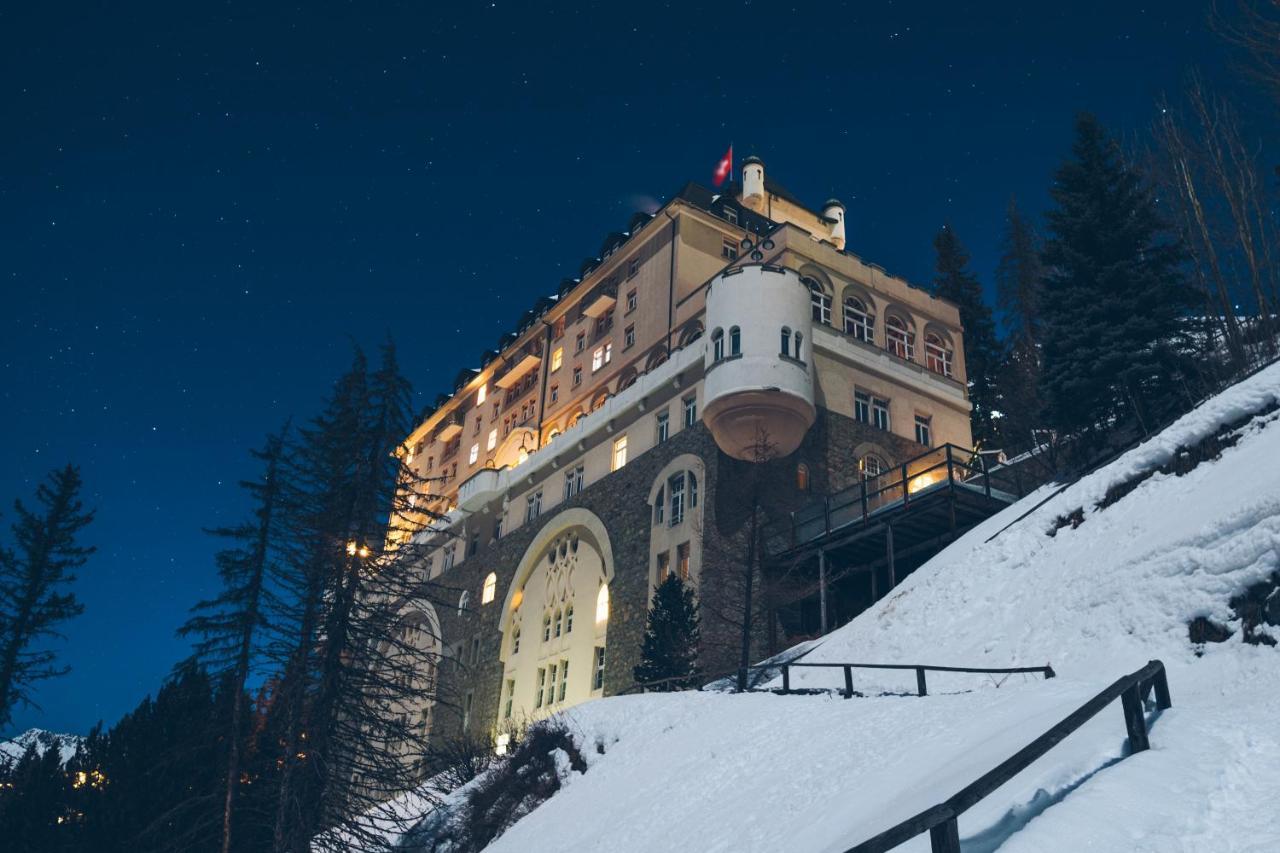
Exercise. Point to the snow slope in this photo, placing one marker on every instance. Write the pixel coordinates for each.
(717, 772)
(11, 751)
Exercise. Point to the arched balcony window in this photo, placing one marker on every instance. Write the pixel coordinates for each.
(819, 300)
(602, 604)
(937, 354)
(717, 345)
(735, 341)
(858, 322)
(898, 338)
(463, 601)
(490, 587)
(786, 341)
(872, 466)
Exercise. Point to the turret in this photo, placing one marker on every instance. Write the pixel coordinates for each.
(833, 212)
(753, 183)
(759, 385)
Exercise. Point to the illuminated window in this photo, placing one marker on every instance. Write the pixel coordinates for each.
(490, 587)
(493, 439)
(619, 452)
(602, 604)
(608, 353)
(480, 395)
(937, 355)
(664, 565)
(474, 454)
(898, 339)
(802, 477)
(597, 359)
(557, 358)
(682, 560)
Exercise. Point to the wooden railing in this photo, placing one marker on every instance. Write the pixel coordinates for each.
(940, 821)
(922, 688)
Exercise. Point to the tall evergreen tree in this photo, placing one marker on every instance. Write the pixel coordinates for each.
(34, 576)
(1018, 283)
(231, 627)
(1114, 295)
(671, 638)
(954, 282)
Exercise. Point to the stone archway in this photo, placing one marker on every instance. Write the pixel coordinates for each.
(556, 618)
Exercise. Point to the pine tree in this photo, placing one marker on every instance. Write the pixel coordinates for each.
(955, 283)
(231, 627)
(671, 638)
(1018, 283)
(1114, 296)
(36, 810)
(33, 577)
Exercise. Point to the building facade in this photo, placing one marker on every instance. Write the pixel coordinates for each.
(729, 339)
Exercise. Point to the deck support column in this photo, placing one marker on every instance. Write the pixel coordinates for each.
(888, 555)
(822, 590)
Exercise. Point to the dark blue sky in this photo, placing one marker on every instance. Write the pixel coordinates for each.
(203, 205)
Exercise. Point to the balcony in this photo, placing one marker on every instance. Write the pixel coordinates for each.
(522, 363)
(451, 425)
(480, 488)
(600, 301)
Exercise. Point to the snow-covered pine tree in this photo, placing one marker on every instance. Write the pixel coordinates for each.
(671, 638)
(1114, 296)
(1018, 282)
(955, 283)
(34, 576)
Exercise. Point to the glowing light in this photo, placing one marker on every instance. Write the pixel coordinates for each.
(364, 551)
(602, 604)
(351, 549)
(925, 480)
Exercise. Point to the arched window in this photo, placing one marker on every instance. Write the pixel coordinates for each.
(717, 345)
(690, 333)
(802, 477)
(857, 320)
(546, 626)
(559, 622)
(463, 601)
(872, 466)
(660, 506)
(799, 351)
(819, 300)
(735, 341)
(786, 341)
(693, 490)
(490, 586)
(602, 604)
(515, 632)
(568, 618)
(898, 338)
(937, 354)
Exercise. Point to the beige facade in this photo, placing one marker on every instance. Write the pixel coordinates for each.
(618, 362)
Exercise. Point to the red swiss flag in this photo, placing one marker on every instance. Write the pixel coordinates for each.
(724, 167)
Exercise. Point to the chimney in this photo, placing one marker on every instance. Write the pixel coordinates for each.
(833, 211)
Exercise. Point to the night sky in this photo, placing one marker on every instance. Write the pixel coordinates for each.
(202, 207)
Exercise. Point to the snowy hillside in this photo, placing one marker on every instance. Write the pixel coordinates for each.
(13, 750)
(717, 772)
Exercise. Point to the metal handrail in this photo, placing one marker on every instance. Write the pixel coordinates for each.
(940, 820)
(920, 669)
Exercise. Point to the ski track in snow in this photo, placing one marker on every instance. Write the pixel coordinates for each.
(717, 772)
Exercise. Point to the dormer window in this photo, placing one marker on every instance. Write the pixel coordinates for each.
(730, 215)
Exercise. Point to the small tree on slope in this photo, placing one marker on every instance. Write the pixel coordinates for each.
(670, 647)
(1114, 296)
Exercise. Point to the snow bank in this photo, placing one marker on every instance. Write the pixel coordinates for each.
(715, 772)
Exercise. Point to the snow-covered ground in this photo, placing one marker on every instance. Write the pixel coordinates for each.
(722, 772)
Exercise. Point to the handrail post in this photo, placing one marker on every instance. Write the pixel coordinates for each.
(863, 484)
(920, 685)
(905, 491)
(793, 530)
(848, 682)
(786, 678)
(951, 468)
(1163, 702)
(986, 475)
(945, 837)
(742, 679)
(826, 513)
(1135, 721)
